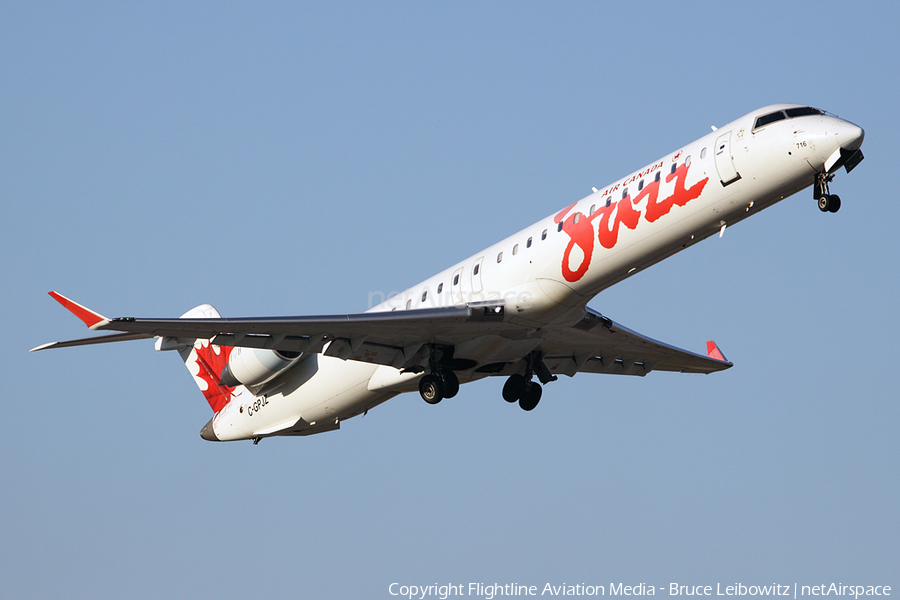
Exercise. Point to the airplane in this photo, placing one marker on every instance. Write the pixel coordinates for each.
(517, 309)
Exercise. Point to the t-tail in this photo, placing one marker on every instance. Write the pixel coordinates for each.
(205, 361)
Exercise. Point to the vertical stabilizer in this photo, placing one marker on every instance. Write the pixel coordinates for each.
(205, 361)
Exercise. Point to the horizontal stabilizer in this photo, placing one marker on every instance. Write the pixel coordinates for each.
(93, 320)
(98, 339)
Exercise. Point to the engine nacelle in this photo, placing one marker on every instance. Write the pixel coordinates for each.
(255, 366)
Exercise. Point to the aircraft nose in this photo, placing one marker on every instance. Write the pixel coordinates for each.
(849, 136)
(208, 433)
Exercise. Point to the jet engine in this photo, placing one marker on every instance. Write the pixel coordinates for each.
(255, 366)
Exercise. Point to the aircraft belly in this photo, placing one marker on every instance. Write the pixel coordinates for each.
(335, 388)
(229, 424)
(496, 348)
(320, 388)
(386, 378)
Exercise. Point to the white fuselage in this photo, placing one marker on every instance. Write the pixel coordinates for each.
(546, 273)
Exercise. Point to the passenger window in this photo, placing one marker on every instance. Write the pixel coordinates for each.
(515, 249)
(559, 227)
(408, 304)
(440, 287)
(424, 295)
(456, 279)
(608, 202)
(528, 243)
(624, 193)
(687, 161)
(674, 166)
(475, 270)
(593, 208)
(499, 257)
(640, 185)
(577, 217)
(544, 235)
(657, 176)
(703, 154)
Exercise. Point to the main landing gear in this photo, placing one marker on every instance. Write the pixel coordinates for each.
(438, 385)
(521, 388)
(440, 382)
(526, 393)
(827, 202)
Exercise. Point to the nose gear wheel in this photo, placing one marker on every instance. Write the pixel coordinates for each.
(827, 202)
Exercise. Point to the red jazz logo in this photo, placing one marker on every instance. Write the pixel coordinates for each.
(580, 227)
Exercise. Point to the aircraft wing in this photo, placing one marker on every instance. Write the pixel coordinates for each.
(401, 339)
(599, 345)
(397, 338)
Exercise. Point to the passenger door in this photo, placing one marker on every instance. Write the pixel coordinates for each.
(724, 163)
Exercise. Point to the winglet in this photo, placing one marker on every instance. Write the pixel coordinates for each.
(713, 351)
(90, 318)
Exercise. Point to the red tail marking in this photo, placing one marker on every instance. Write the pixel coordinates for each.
(211, 364)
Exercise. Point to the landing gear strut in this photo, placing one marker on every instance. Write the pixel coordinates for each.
(521, 388)
(827, 202)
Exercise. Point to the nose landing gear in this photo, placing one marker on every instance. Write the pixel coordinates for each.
(827, 202)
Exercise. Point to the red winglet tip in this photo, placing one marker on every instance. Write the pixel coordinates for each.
(714, 351)
(87, 316)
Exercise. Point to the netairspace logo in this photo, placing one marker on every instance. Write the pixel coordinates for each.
(489, 591)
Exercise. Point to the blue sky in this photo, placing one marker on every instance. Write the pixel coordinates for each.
(285, 159)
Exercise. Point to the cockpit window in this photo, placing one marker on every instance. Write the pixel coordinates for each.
(802, 112)
(790, 113)
(769, 118)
